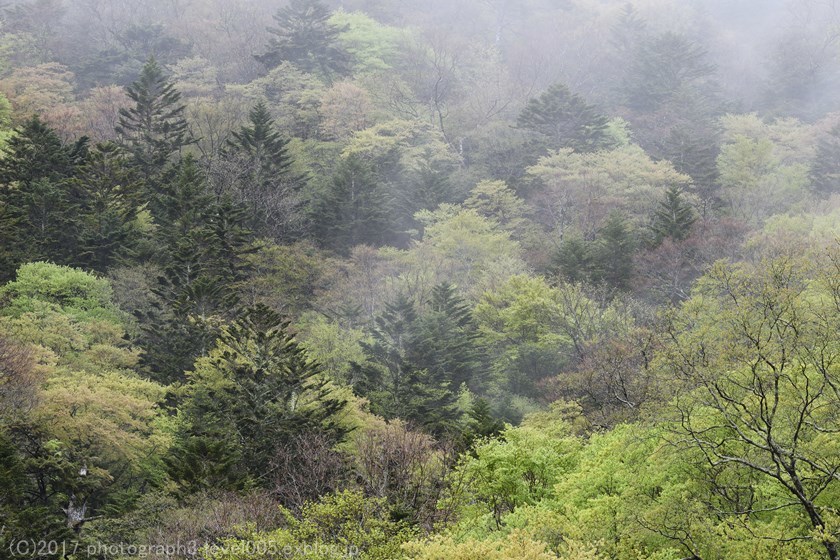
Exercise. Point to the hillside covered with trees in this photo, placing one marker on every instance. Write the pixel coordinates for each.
(430, 280)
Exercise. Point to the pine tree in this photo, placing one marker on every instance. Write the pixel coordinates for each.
(265, 182)
(38, 217)
(447, 345)
(401, 376)
(564, 120)
(354, 211)
(825, 172)
(304, 36)
(257, 391)
(615, 249)
(155, 128)
(673, 218)
(108, 194)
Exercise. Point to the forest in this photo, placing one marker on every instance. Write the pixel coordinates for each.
(428, 280)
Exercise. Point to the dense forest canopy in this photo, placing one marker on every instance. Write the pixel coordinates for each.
(470, 280)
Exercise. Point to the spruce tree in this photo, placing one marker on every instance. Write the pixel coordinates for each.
(264, 180)
(574, 260)
(447, 345)
(108, 195)
(38, 215)
(393, 376)
(354, 210)
(262, 145)
(825, 172)
(673, 218)
(256, 392)
(202, 245)
(615, 249)
(694, 151)
(155, 128)
(664, 64)
(304, 36)
(562, 119)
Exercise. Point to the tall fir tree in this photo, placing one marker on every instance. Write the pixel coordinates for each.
(615, 249)
(825, 171)
(203, 245)
(354, 210)
(694, 151)
(304, 36)
(38, 214)
(108, 192)
(256, 392)
(562, 119)
(264, 180)
(155, 128)
(394, 378)
(447, 340)
(674, 217)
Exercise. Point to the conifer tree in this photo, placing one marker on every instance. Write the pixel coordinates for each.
(354, 210)
(155, 128)
(38, 218)
(203, 245)
(615, 249)
(394, 376)
(563, 119)
(574, 260)
(673, 218)
(261, 143)
(304, 36)
(256, 392)
(825, 172)
(447, 344)
(108, 194)
(265, 182)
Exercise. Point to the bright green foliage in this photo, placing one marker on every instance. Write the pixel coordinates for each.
(674, 217)
(154, 129)
(562, 119)
(579, 191)
(520, 468)
(755, 181)
(331, 345)
(764, 399)
(533, 330)
(373, 46)
(305, 37)
(254, 392)
(346, 524)
(88, 440)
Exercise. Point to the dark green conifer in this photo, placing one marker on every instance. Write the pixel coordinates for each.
(154, 129)
(304, 36)
(673, 218)
(563, 119)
